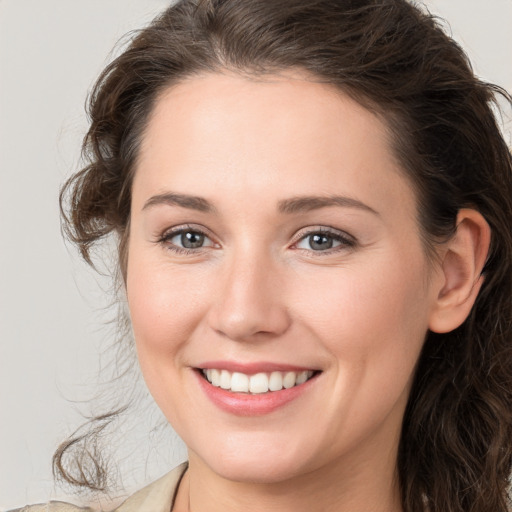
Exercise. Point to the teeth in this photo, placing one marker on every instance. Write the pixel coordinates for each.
(275, 383)
(225, 379)
(240, 382)
(302, 377)
(258, 383)
(289, 380)
(214, 377)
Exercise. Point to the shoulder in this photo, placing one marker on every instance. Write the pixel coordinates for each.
(155, 497)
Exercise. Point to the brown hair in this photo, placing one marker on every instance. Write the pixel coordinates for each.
(456, 445)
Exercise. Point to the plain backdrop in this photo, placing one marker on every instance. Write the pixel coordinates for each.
(52, 308)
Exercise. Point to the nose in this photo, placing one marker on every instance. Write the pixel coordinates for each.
(249, 303)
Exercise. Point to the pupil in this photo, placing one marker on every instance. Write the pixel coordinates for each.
(320, 242)
(191, 240)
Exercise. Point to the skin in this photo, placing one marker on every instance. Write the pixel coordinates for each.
(257, 291)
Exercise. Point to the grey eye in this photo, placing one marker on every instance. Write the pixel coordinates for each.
(319, 242)
(190, 240)
(324, 241)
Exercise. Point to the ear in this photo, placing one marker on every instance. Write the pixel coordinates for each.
(462, 260)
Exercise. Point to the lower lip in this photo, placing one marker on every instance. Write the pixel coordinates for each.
(245, 404)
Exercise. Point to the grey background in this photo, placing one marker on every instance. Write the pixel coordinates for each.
(52, 308)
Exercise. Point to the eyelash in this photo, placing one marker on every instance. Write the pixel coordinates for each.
(166, 238)
(345, 241)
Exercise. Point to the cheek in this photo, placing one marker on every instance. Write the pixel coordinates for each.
(373, 302)
(373, 320)
(165, 305)
(165, 308)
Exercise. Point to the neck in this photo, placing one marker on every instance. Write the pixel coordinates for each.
(341, 486)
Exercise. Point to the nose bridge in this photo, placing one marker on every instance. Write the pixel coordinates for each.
(249, 300)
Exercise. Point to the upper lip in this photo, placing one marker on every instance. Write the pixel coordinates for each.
(254, 367)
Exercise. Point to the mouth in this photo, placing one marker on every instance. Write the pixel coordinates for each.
(258, 383)
(255, 389)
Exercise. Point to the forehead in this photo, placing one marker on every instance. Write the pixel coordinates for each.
(272, 137)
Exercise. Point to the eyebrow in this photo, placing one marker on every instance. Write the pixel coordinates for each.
(299, 204)
(183, 200)
(307, 203)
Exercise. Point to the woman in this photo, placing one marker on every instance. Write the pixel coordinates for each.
(312, 204)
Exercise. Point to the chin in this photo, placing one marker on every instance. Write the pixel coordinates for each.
(267, 472)
(256, 462)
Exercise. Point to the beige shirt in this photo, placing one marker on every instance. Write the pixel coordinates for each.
(156, 497)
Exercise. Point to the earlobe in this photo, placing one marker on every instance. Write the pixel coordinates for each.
(463, 259)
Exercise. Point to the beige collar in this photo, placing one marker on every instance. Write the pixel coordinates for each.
(156, 497)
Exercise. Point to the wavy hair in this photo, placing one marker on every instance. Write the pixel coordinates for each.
(395, 59)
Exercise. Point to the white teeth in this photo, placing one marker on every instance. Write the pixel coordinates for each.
(302, 377)
(225, 379)
(289, 380)
(275, 383)
(214, 377)
(240, 382)
(257, 383)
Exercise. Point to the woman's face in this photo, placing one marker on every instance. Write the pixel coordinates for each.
(273, 238)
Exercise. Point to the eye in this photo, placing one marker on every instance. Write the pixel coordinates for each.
(189, 239)
(323, 241)
(186, 240)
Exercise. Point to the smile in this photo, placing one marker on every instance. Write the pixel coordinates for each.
(254, 392)
(258, 383)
